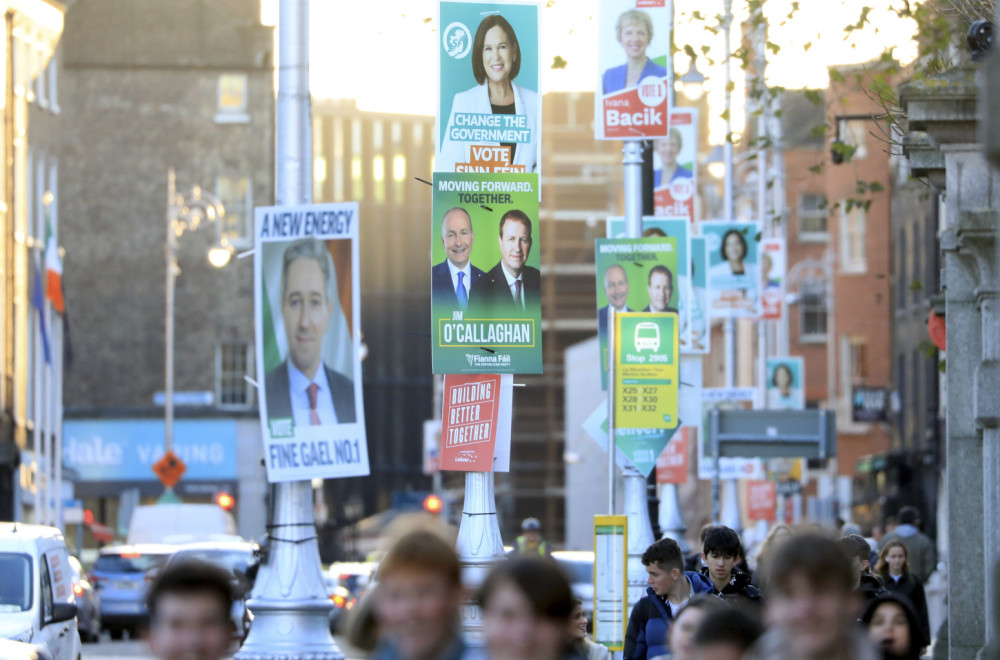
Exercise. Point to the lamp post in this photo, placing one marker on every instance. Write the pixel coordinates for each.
(185, 212)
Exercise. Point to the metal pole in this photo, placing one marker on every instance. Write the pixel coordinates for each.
(612, 448)
(171, 247)
(289, 601)
(479, 547)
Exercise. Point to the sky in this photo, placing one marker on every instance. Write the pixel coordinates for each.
(384, 52)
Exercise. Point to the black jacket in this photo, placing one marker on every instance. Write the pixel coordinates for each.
(917, 638)
(910, 587)
(739, 587)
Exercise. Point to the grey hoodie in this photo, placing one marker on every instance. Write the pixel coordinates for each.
(773, 645)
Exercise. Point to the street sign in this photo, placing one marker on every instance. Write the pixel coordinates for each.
(610, 580)
(869, 404)
(646, 370)
(773, 433)
(170, 468)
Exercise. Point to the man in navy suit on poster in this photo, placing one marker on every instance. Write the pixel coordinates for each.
(303, 387)
(510, 286)
(452, 279)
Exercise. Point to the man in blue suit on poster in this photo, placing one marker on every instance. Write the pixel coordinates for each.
(303, 387)
(511, 286)
(452, 279)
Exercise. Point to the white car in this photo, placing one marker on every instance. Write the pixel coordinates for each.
(37, 604)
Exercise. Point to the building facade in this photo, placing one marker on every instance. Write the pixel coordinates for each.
(186, 85)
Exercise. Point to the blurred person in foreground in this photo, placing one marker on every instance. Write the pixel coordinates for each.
(680, 639)
(775, 537)
(811, 605)
(527, 603)
(919, 547)
(894, 568)
(725, 635)
(530, 543)
(189, 605)
(669, 589)
(582, 645)
(417, 600)
(893, 626)
(721, 552)
(857, 551)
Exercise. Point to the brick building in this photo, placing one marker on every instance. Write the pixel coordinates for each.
(187, 85)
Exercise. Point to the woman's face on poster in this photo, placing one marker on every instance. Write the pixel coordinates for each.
(734, 249)
(634, 38)
(498, 54)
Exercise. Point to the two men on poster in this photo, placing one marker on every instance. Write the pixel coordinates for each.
(486, 283)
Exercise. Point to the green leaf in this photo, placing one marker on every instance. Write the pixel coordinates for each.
(836, 76)
(814, 96)
(558, 62)
(817, 168)
(818, 131)
(875, 186)
(916, 285)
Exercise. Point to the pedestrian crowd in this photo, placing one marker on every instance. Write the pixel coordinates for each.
(812, 595)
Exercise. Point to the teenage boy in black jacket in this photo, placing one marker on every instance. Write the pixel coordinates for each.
(721, 551)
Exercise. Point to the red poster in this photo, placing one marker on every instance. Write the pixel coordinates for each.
(761, 498)
(675, 169)
(672, 464)
(772, 270)
(469, 422)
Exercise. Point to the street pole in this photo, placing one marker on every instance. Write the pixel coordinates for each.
(479, 547)
(289, 601)
(171, 247)
(640, 530)
(730, 323)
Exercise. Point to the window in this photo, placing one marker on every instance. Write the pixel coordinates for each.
(232, 390)
(858, 359)
(53, 82)
(854, 132)
(812, 217)
(232, 101)
(852, 238)
(46, 588)
(235, 195)
(812, 311)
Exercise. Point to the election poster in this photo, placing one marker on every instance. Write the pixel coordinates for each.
(647, 371)
(486, 309)
(701, 328)
(786, 387)
(680, 229)
(772, 278)
(307, 305)
(672, 465)
(489, 115)
(475, 426)
(762, 500)
(725, 398)
(675, 166)
(733, 268)
(634, 275)
(633, 56)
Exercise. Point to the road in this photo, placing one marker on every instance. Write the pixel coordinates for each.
(137, 650)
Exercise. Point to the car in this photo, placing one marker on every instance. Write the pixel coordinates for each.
(579, 568)
(37, 604)
(340, 597)
(353, 575)
(120, 576)
(236, 558)
(88, 616)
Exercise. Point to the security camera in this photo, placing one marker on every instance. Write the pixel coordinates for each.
(980, 39)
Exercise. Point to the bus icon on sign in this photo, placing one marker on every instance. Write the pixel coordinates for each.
(647, 336)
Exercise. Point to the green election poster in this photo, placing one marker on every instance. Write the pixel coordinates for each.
(486, 313)
(646, 370)
(636, 274)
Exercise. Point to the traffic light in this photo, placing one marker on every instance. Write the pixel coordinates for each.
(225, 501)
(88, 517)
(433, 504)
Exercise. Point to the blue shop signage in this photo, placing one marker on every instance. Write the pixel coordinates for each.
(125, 449)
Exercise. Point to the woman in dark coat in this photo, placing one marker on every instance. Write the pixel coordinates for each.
(893, 627)
(894, 569)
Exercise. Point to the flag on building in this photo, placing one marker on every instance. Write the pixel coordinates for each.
(53, 271)
(38, 302)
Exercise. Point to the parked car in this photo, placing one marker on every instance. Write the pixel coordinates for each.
(236, 558)
(353, 575)
(579, 568)
(88, 615)
(120, 577)
(37, 605)
(339, 596)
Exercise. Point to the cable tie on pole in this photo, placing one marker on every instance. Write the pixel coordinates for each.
(251, 381)
(488, 350)
(423, 181)
(248, 253)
